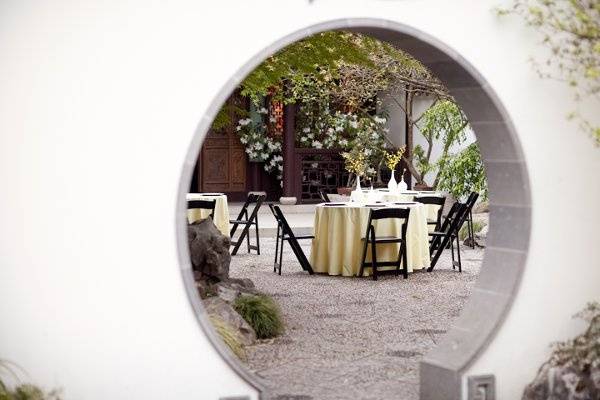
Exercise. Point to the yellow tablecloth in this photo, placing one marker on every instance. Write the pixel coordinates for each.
(337, 247)
(431, 209)
(221, 219)
(409, 195)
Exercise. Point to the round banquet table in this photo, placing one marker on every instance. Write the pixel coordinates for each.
(337, 247)
(409, 195)
(221, 219)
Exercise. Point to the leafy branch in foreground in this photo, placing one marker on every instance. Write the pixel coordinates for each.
(573, 370)
(22, 391)
(571, 30)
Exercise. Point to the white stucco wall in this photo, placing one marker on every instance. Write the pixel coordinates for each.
(98, 104)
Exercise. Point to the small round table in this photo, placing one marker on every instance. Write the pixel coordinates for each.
(221, 217)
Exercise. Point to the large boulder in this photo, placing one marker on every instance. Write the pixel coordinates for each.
(220, 308)
(231, 289)
(209, 251)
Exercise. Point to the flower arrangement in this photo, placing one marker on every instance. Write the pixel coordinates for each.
(392, 159)
(355, 163)
(259, 146)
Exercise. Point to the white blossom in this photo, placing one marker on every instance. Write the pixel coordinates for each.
(306, 130)
(263, 111)
(272, 120)
(379, 120)
(317, 145)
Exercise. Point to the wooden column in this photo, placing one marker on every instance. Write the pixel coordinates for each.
(408, 140)
(289, 143)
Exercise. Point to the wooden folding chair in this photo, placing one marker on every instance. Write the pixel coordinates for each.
(471, 203)
(437, 201)
(324, 196)
(281, 238)
(288, 235)
(372, 239)
(203, 205)
(247, 221)
(447, 235)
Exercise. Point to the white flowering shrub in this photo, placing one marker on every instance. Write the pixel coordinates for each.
(341, 131)
(260, 147)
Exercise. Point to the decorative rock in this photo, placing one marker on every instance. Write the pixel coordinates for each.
(554, 382)
(220, 308)
(209, 250)
(230, 290)
(226, 292)
(481, 207)
(204, 289)
(482, 234)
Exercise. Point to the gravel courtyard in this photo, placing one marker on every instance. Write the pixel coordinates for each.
(352, 338)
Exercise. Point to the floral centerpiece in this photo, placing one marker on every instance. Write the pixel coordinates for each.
(261, 147)
(391, 160)
(355, 163)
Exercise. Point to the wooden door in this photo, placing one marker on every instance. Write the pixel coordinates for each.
(223, 162)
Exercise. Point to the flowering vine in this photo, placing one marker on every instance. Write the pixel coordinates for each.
(261, 147)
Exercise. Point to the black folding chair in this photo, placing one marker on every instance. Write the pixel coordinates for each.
(373, 240)
(324, 196)
(203, 205)
(281, 237)
(288, 235)
(471, 203)
(447, 235)
(434, 200)
(247, 220)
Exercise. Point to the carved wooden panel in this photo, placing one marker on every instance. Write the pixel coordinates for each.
(223, 157)
(215, 164)
(238, 168)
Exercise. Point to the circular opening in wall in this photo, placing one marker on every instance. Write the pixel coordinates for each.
(280, 135)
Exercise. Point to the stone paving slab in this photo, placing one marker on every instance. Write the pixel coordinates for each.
(352, 338)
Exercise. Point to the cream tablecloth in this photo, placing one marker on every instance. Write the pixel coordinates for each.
(221, 219)
(383, 195)
(337, 247)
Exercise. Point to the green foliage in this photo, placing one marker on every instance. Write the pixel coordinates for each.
(443, 122)
(224, 117)
(311, 56)
(570, 29)
(464, 232)
(229, 336)
(24, 391)
(261, 313)
(464, 173)
(583, 352)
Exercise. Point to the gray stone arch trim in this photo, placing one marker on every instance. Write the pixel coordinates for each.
(510, 203)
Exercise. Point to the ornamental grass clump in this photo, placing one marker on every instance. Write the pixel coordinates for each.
(262, 313)
(464, 231)
(229, 336)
